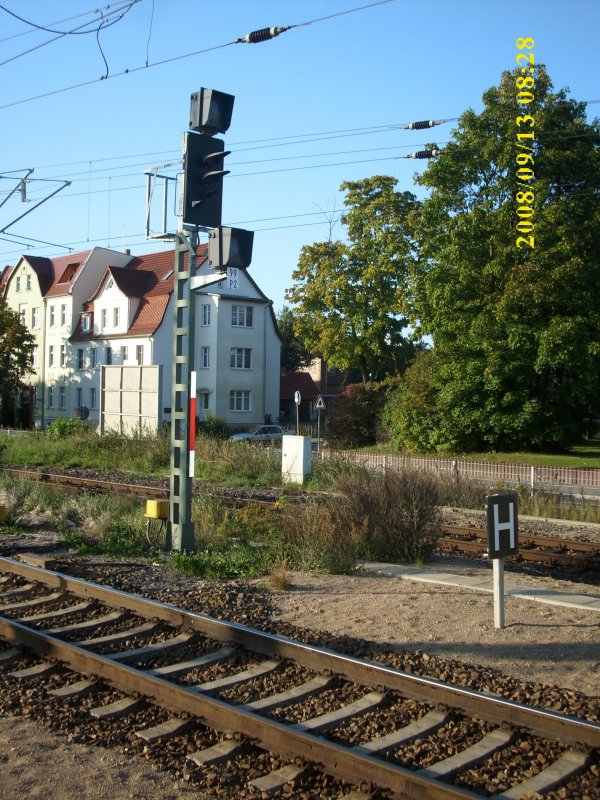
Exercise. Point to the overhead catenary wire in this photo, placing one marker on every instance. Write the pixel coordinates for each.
(105, 21)
(172, 59)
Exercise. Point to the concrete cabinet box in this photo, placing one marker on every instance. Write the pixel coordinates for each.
(295, 458)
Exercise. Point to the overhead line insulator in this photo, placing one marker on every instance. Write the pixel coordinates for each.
(425, 123)
(263, 35)
(424, 154)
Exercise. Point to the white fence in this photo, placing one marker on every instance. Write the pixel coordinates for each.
(534, 476)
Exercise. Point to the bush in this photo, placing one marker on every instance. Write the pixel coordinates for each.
(322, 535)
(67, 426)
(355, 415)
(213, 427)
(392, 511)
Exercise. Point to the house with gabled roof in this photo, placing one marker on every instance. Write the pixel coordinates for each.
(103, 308)
(48, 294)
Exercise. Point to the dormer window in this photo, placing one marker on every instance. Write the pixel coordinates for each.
(86, 322)
(68, 274)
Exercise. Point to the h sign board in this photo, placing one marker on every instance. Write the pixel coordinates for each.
(502, 525)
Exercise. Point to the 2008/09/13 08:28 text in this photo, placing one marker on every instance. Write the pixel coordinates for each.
(525, 138)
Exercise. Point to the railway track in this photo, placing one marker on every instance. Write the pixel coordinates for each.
(546, 551)
(277, 713)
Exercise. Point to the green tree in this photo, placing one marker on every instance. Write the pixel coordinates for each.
(350, 298)
(516, 329)
(293, 353)
(16, 344)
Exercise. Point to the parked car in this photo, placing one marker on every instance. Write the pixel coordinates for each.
(266, 434)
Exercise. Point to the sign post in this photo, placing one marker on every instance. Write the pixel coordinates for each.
(502, 529)
(320, 406)
(297, 400)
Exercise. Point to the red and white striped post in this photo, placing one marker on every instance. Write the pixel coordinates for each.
(192, 424)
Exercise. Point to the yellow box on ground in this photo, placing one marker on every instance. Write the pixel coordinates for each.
(157, 509)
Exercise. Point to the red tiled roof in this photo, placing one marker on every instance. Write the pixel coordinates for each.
(302, 382)
(150, 278)
(4, 276)
(67, 268)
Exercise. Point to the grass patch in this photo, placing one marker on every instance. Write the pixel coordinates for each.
(229, 561)
(82, 449)
(236, 463)
(89, 523)
(584, 456)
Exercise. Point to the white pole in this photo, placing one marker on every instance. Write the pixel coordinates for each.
(498, 566)
(319, 431)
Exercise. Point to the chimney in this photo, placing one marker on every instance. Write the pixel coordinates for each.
(127, 251)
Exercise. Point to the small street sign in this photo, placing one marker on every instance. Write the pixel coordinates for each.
(297, 397)
(502, 525)
(502, 528)
(320, 403)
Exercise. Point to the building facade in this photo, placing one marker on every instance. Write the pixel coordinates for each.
(105, 308)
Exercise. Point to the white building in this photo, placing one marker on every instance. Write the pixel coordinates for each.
(108, 308)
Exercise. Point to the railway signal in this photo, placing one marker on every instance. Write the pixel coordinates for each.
(228, 249)
(203, 158)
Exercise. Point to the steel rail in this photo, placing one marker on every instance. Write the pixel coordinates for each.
(357, 768)
(492, 708)
(525, 539)
(88, 484)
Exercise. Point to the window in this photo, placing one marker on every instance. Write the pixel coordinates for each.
(63, 315)
(93, 357)
(241, 316)
(139, 354)
(239, 400)
(203, 404)
(92, 397)
(124, 353)
(35, 358)
(62, 397)
(23, 315)
(204, 358)
(51, 355)
(79, 396)
(28, 282)
(104, 318)
(110, 283)
(80, 363)
(85, 322)
(115, 317)
(63, 355)
(206, 314)
(18, 286)
(240, 357)
(35, 318)
(50, 397)
(108, 355)
(52, 316)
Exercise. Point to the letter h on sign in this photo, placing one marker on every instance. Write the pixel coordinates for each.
(502, 525)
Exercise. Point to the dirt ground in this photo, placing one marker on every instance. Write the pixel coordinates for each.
(36, 765)
(545, 643)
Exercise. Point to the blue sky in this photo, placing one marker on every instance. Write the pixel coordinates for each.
(320, 104)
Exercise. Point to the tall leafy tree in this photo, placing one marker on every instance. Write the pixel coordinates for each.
(350, 298)
(294, 354)
(515, 324)
(16, 344)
